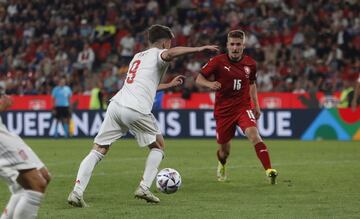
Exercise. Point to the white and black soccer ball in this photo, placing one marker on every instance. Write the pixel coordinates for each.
(168, 180)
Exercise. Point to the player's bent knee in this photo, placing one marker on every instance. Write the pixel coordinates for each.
(156, 145)
(41, 185)
(45, 174)
(32, 180)
(160, 142)
(101, 148)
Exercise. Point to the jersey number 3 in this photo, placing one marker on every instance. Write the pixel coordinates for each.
(132, 72)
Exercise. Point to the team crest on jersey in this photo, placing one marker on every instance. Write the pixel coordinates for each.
(247, 71)
(23, 155)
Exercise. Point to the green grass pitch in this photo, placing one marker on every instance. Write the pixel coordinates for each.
(318, 179)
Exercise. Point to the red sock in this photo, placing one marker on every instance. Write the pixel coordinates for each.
(263, 155)
(222, 160)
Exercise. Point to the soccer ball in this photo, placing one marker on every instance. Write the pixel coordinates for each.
(168, 180)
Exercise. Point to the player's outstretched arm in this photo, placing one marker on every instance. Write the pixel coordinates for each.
(178, 80)
(202, 81)
(5, 102)
(172, 53)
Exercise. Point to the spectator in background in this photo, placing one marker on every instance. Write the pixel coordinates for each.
(86, 58)
(60, 31)
(31, 29)
(193, 66)
(311, 101)
(61, 95)
(258, 54)
(265, 78)
(2, 86)
(104, 32)
(152, 8)
(252, 41)
(298, 88)
(28, 88)
(299, 38)
(309, 52)
(127, 46)
(270, 52)
(356, 97)
(86, 30)
(62, 62)
(345, 95)
(97, 96)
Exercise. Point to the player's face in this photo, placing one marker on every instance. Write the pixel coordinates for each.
(235, 47)
(62, 82)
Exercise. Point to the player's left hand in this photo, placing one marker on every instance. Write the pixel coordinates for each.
(178, 80)
(257, 113)
(213, 48)
(214, 85)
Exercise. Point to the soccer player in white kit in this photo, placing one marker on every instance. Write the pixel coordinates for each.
(130, 110)
(25, 174)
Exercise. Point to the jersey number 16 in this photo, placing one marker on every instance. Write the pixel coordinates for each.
(237, 84)
(132, 72)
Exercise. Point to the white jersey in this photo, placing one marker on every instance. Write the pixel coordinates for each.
(15, 154)
(2, 126)
(145, 72)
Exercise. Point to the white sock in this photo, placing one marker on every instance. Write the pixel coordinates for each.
(85, 170)
(28, 205)
(151, 166)
(16, 192)
(10, 207)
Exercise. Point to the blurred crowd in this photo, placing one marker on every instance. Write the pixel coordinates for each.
(299, 45)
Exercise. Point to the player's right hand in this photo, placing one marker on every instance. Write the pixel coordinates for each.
(257, 113)
(214, 85)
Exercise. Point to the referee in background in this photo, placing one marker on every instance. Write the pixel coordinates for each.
(61, 95)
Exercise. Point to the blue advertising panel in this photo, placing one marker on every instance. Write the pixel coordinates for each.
(277, 124)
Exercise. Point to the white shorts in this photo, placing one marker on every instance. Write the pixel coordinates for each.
(119, 120)
(15, 155)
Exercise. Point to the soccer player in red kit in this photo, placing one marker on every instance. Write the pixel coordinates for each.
(234, 82)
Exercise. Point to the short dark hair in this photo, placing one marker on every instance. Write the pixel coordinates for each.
(157, 32)
(236, 34)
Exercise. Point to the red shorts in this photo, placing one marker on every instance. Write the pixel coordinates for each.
(226, 126)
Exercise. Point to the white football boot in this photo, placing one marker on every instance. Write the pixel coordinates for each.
(146, 195)
(76, 200)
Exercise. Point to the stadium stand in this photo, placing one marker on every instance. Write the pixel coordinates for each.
(298, 44)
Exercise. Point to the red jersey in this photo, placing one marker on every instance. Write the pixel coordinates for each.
(235, 78)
